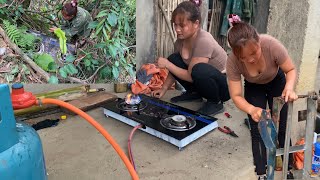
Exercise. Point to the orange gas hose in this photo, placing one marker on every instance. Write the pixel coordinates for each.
(94, 123)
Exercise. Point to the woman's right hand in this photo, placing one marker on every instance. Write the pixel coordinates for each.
(158, 93)
(255, 113)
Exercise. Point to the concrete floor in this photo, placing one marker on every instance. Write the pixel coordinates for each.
(75, 150)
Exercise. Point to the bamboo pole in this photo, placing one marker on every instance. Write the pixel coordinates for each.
(63, 94)
(167, 21)
(212, 16)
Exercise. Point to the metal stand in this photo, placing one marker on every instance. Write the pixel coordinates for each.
(307, 147)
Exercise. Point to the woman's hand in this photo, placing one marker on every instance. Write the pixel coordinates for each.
(289, 95)
(158, 93)
(52, 29)
(162, 62)
(255, 113)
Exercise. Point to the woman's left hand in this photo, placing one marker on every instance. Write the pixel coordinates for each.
(289, 95)
(162, 62)
(52, 29)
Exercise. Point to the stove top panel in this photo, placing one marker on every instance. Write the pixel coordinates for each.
(151, 114)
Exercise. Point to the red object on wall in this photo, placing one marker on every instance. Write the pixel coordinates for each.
(20, 98)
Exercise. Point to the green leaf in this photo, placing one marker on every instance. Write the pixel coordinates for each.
(102, 13)
(116, 63)
(131, 72)
(43, 60)
(123, 60)
(105, 33)
(87, 62)
(68, 70)
(93, 24)
(100, 45)
(101, 22)
(72, 69)
(20, 8)
(63, 72)
(98, 30)
(53, 80)
(25, 69)
(127, 28)
(112, 51)
(70, 58)
(115, 72)
(95, 62)
(15, 70)
(112, 19)
(52, 67)
(9, 77)
(105, 72)
(107, 26)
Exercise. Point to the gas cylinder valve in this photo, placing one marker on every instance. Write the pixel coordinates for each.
(20, 98)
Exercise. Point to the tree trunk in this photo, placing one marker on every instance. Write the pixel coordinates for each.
(24, 57)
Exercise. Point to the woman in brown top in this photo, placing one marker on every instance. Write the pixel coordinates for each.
(197, 64)
(268, 72)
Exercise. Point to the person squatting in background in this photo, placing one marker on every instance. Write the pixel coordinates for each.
(198, 62)
(75, 21)
(268, 72)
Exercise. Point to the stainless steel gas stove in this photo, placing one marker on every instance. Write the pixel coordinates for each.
(174, 124)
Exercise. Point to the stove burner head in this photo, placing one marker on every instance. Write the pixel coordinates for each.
(178, 118)
(178, 123)
(124, 106)
(132, 99)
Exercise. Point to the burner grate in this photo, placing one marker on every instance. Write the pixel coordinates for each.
(123, 106)
(178, 123)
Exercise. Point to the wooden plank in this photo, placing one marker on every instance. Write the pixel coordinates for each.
(92, 101)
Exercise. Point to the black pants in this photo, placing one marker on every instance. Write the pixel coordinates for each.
(209, 82)
(259, 95)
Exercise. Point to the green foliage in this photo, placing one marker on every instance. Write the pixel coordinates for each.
(113, 29)
(109, 53)
(105, 73)
(90, 63)
(19, 36)
(68, 70)
(10, 10)
(70, 58)
(53, 80)
(16, 69)
(12, 31)
(45, 61)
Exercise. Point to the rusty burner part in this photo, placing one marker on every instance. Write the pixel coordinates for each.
(178, 122)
